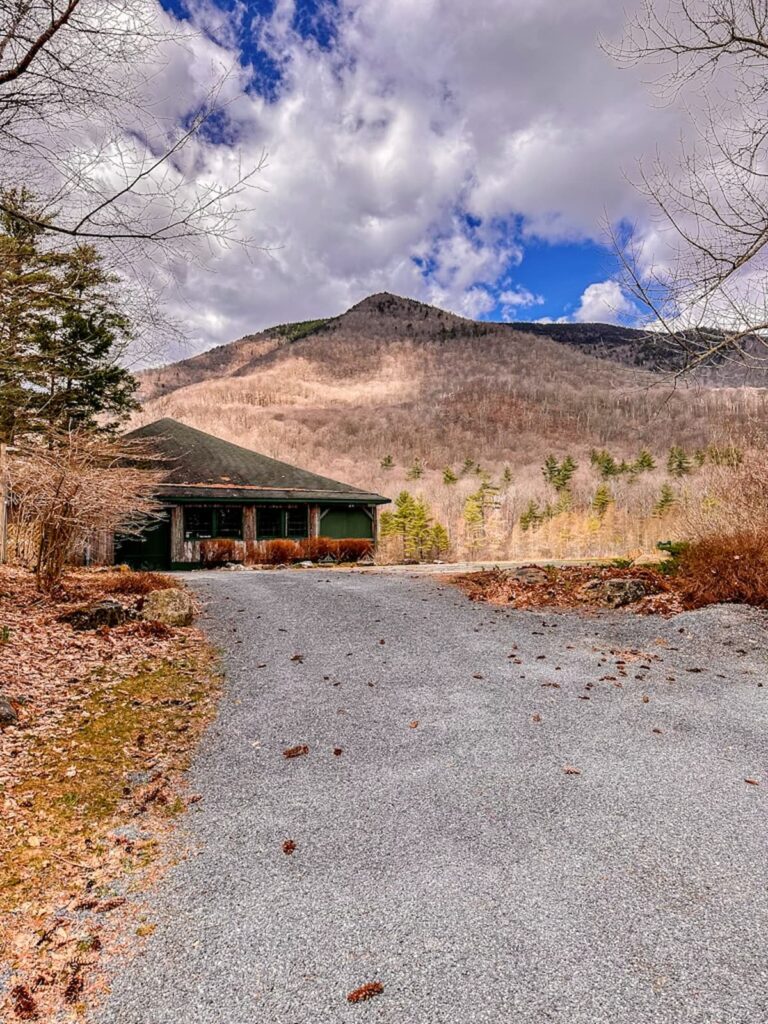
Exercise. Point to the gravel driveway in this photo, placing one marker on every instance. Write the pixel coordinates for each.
(455, 860)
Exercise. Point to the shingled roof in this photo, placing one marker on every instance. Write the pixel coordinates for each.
(200, 465)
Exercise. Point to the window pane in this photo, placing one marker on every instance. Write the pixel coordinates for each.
(230, 521)
(269, 523)
(198, 523)
(298, 522)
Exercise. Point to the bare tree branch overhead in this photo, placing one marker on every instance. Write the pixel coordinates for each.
(711, 205)
(82, 125)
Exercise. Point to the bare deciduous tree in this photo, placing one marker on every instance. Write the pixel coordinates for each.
(66, 495)
(709, 288)
(83, 126)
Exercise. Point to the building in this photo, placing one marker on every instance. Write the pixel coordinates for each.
(217, 490)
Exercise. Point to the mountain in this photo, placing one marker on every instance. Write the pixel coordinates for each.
(396, 378)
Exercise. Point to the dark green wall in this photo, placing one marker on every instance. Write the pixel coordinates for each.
(346, 523)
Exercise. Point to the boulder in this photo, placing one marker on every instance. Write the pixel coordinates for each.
(530, 574)
(102, 613)
(8, 714)
(173, 607)
(616, 593)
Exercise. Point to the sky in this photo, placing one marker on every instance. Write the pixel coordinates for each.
(470, 155)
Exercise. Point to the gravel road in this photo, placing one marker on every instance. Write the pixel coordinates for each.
(455, 860)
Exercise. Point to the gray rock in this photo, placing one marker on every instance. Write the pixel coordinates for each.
(306, 565)
(616, 593)
(173, 607)
(530, 574)
(102, 613)
(7, 715)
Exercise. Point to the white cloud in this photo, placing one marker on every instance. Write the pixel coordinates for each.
(399, 157)
(603, 302)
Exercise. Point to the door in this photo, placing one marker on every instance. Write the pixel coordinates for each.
(346, 523)
(150, 551)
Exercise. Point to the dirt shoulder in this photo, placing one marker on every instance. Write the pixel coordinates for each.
(91, 780)
(584, 587)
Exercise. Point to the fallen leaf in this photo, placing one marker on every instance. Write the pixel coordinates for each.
(337, 751)
(570, 770)
(289, 846)
(367, 991)
(536, 717)
(752, 782)
(24, 1005)
(298, 751)
(646, 698)
(413, 725)
(299, 658)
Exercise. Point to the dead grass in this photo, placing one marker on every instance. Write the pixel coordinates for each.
(90, 782)
(725, 569)
(130, 582)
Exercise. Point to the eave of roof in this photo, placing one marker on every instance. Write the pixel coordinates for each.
(206, 492)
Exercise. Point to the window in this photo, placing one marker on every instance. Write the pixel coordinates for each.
(297, 525)
(273, 522)
(230, 521)
(204, 522)
(198, 523)
(269, 523)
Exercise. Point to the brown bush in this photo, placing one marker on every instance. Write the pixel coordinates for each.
(352, 549)
(726, 569)
(315, 548)
(272, 552)
(137, 582)
(220, 550)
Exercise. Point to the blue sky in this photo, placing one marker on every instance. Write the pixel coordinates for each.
(467, 155)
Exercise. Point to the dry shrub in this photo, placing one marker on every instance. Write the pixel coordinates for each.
(220, 550)
(352, 549)
(726, 569)
(137, 582)
(272, 552)
(315, 548)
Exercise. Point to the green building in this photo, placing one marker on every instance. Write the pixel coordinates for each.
(214, 489)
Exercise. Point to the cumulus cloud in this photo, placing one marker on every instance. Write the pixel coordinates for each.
(603, 302)
(418, 152)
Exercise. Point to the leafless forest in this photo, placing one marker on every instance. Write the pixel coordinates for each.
(393, 393)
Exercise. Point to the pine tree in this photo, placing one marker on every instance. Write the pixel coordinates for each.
(665, 502)
(559, 474)
(644, 462)
(602, 500)
(397, 522)
(532, 517)
(700, 456)
(468, 466)
(604, 463)
(506, 477)
(678, 463)
(415, 470)
(439, 542)
(387, 462)
(419, 529)
(61, 333)
(449, 477)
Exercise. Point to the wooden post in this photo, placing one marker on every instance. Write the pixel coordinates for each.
(314, 520)
(177, 534)
(249, 522)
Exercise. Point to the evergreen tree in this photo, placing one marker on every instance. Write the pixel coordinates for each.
(559, 474)
(678, 463)
(644, 462)
(439, 542)
(397, 522)
(665, 502)
(728, 455)
(468, 466)
(602, 500)
(604, 463)
(61, 333)
(532, 517)
(449, 477)
(700, 456)
(387, 462)
(415, 470)
(506, 477)
(419, 529)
